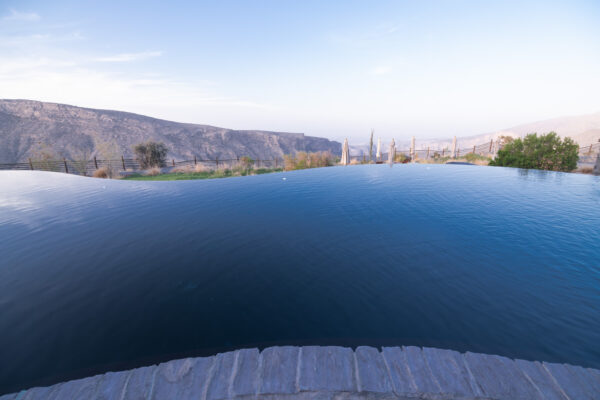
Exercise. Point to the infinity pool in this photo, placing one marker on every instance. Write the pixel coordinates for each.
(99, 275)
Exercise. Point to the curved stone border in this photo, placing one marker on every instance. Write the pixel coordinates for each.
(314, 372)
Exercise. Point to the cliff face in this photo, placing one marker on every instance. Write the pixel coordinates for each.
(29, 127)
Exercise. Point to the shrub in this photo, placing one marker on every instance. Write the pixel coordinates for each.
(472, 157)
(101, 173)
(304, 160)
(153, 171)
(151, 154)
(246, 162)
(548, 152)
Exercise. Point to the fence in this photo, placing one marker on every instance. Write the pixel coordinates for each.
(87, 167)
(587, 155)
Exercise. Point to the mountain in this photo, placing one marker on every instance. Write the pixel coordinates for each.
(583, 129)
(29, 127)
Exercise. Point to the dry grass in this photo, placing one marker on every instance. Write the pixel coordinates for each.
(585, 170)
(101, 173)
(153, 171)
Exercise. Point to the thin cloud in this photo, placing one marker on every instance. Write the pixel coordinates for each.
(15, 15)
(128, 57)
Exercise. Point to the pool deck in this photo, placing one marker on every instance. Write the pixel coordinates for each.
(314, 372)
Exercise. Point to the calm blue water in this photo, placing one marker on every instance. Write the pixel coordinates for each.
(100, 275)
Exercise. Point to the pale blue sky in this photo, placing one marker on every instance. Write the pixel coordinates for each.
(333, 69)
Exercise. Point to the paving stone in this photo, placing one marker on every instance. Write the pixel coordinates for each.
(499, 377)
(245, 381)
(278, 370)
(395, 360)
(449, 370)
(420, 372)
(139, 384)
(111, 385)
(182, 379)
(219, 386)
(586, 379)
(79, 389)
(371, 370)
(328, 368)
(569, 383)
(541, 379)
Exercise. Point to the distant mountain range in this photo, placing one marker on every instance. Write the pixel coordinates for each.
(583, 129)
(28, 128)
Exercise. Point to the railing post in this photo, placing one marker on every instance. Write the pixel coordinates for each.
(427, 152)
(217, 162)
(123, 162)
(173, 160)
(195, 162)
(473, 149)
(66, 168)
(491, 142)
(95, 162)
(443, 151)
(30, 164)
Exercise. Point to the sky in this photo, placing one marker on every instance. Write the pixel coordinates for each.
(430, 69)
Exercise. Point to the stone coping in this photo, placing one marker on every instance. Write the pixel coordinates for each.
(330, 372)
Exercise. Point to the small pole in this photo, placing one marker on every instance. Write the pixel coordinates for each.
(173, 160)
(473, 149)
(275, 162)
(123, 162)
(66, 168)
(95, 162)
(427, 151)
(30, 164)
(195, 162)
(258, 162)
(217, 161)
(491, 142)
(443, 151)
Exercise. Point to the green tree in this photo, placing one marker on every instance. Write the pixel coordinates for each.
(548, 152)
(151, 154)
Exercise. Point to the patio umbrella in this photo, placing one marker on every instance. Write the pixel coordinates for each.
(454, 147)
(345, 153)
(378, 154)
(392, 154)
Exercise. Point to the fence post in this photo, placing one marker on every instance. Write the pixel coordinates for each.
(66, 168)
(457, 153)
(95, 162)
(473, 149)
(217, 162)
(173, 160)
(427, 152)
(195, 162)
(275, 162)
(258, 162)
(491, 141)
(30, 164)
(123, 162)
(443, 151)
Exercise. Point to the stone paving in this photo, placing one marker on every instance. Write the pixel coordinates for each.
(314, 372)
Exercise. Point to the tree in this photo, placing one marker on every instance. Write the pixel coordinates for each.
(151, 154)
(548, 152)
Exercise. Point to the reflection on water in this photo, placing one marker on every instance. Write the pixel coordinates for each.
(102, 275)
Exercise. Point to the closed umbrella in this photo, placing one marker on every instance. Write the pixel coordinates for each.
(378, 154)
(345, 153)
(392, 154)
(454, 147)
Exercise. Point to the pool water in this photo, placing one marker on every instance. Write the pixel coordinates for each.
(99, 275)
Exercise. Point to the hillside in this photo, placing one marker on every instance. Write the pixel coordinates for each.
(28, 128)
(583, 129)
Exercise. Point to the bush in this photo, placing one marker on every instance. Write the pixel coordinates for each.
(547, 152)
(303, 160)
(151, 154)
(246, 162)
(101, 173)
(472, 157)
